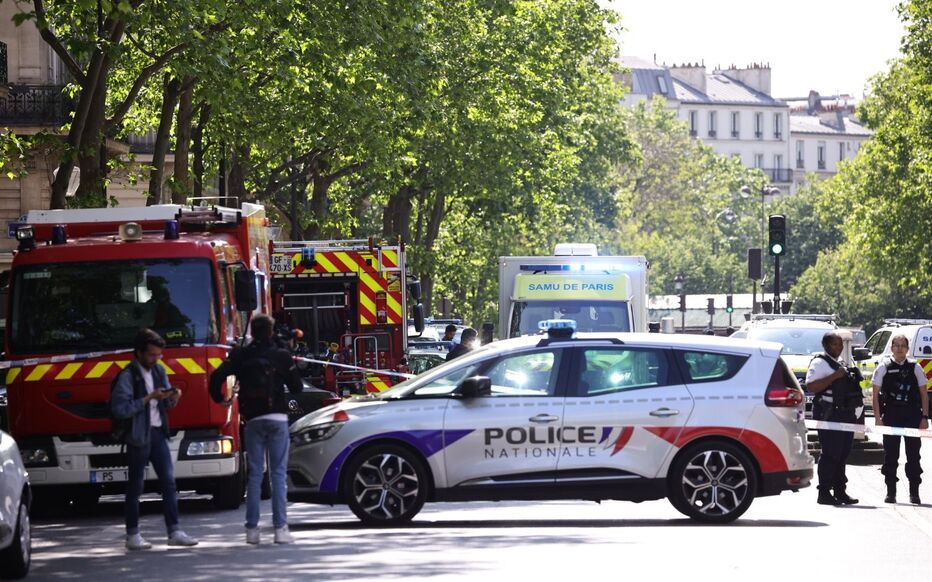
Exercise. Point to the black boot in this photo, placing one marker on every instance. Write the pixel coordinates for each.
(891, 493)
(844, 499)
(914, 494)
(826, 498)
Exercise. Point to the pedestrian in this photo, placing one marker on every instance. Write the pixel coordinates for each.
(141, 392)
(466, 345)
(834, 401)
(900, 400)
(449, 333)
(263, 369)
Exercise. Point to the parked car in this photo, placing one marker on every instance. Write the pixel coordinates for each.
(710, 423)
(427, 355)
(15, 499)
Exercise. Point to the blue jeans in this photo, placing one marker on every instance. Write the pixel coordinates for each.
(267, 435)
(161, 458)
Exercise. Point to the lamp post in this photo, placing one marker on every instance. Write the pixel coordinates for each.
(678, 286)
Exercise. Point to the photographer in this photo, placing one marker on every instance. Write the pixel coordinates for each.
(900, 399)
(838, 395)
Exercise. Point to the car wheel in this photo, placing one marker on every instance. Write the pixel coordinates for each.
(15, 560)
(712, 482)
(385, 485)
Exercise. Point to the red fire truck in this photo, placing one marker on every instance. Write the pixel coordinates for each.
(82, 283)
(350, 298)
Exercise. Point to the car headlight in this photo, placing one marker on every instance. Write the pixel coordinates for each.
(37, 458)
(316, 433)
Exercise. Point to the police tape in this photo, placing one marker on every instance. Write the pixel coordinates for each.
(867, 428)
(62, 358)
(358, 368)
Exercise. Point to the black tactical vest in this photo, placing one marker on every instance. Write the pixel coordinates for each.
(900, 386)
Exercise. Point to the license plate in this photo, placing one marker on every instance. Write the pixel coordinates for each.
(111, 476)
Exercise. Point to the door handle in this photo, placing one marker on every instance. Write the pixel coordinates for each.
(543, 418)
(664, 412)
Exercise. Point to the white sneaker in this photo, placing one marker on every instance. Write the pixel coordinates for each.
(252, 535)
(283, 536)
(136, 542)
(179, 538)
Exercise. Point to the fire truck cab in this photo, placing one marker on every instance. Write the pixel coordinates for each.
(350, 299)
(83, 282)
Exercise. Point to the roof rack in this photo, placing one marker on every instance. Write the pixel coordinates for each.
(791, 316)
(899, 321)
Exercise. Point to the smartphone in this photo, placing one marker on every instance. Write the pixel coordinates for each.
(168, 389)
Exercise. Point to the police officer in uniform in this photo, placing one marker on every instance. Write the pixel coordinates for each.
(829, 380)
(901, 399)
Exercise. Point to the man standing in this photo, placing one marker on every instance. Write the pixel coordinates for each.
(828, 379)
(141, 393)
(466, 345)
(900, 399)
(262, 369)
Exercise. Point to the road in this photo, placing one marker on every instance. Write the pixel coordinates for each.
(779, 536)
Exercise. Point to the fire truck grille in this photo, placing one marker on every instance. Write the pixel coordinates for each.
(110, 461)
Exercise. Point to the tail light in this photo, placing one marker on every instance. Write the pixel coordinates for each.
(331, 400)
(782, 390)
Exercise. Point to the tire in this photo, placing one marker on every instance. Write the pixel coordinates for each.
(712, 482)
(231, 490)
(15, 560)
(385, 485)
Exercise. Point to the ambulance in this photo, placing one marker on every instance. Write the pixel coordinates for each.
(919, 334)
(599, 293)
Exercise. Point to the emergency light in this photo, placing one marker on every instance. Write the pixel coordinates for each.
(26, 237)
(171, 230)
(562, 328)
(59, 234)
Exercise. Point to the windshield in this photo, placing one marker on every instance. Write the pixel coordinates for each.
(796, 341)
(68, 307)
(588, 315)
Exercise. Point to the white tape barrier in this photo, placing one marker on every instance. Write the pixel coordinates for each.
(61, 358)
(359, 368)
(884, 430)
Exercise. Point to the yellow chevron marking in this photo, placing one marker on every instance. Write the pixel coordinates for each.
(38, 372)
(12, 374)
(122, 363)
(324, 262)
(99, 369)
(365, 320)
(191, 366)
(349, 262)
(392, 256)
(394, 309)
(68, 372)
(168, 370)
(214, 362)
(377, 383)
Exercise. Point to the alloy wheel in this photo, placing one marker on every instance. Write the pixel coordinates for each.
(386, 486)
(715, 483)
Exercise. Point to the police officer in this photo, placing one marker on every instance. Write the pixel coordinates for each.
(901, 400)
(827, 378)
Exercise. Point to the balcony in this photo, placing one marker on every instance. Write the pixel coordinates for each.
(778, 135)
(735, 133)
(759, 134)
(693, 133)
(821, 164)
(800, 165)
(36, 105)
(778, 175)
(712, 133)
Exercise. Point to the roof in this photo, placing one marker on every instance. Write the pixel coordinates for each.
(812, 124)
(724, 90)
(646, 78)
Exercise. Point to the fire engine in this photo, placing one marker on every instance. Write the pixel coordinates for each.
(350, 299)
(83, 282)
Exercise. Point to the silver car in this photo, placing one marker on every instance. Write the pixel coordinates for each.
(15, 497)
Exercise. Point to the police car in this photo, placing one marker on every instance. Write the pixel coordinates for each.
(710, 423)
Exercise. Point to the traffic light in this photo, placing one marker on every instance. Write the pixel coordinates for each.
(682, 302)
(711, 308)
(777, 224)
(729, 307)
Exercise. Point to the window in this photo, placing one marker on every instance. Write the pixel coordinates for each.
(758, 160)
(735, 124)
(693, 123)
(712, 123)
(710, 366)
(447, 383)
(777, 126)
(820, 155)
(662, 83)
(611, 370)
(759, 125)
(841, 151)
(878, 342)
(800, 155)
(777, 163)
(527, 374)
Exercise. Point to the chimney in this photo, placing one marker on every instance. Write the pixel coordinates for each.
(693, 74)
(756, 76)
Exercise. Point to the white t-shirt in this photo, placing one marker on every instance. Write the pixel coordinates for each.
(881, 370)
(155, 419)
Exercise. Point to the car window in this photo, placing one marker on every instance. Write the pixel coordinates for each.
(704, 366)
(447, 383)
(923, 343)
(801, 341)
(611, 370)
(525, 374)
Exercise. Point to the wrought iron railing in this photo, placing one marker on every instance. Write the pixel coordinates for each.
(36, 105)
(779, 174)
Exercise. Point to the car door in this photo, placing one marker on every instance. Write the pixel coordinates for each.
(508, 438)
(624, 408)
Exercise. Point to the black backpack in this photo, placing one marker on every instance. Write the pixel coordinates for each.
(257, 381)
(120, 427)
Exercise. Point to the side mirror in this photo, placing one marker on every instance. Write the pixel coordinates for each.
(244, 288)
(860, 354)
(488, 328)
(419, 318)
(414, 290)
(475, 387)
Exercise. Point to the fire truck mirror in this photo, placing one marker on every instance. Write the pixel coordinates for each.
(488, 328)
(419, 317)
(414, 290)
(244, 287)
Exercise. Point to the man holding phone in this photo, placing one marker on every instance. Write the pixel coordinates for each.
(147, 440)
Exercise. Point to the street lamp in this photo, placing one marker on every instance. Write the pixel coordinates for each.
(678, 286)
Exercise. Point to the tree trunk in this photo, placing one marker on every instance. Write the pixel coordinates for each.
(237, 179)
(169, 100)
(182, 182)
(320, 204)
(197, 149)
(396, 219)
(92, 155)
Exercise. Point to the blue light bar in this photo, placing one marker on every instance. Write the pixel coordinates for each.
(59, 234)
(171, 230)
(544, 267)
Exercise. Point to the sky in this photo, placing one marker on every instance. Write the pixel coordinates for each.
(830, 46)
